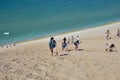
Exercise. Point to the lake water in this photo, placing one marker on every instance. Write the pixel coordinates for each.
(30, 19)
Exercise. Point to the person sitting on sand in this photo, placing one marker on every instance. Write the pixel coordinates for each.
(64, 43)
(52, 46)
(112, 48)
(118, 33)
(108, 35)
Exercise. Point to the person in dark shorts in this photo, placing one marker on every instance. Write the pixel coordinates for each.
(52, 46)
(76, 45)
(64, 43)
(78, 39)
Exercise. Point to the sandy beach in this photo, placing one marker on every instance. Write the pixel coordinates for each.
(32, 60)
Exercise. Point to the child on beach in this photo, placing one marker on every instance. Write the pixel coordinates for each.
(52, 46)
(64, 43)
(108, 35)
(118, 33)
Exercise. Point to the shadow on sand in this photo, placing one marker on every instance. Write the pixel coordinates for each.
(80, 49)
(70, 50)
(64, 54)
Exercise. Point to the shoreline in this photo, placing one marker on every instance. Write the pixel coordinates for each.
(68, 34)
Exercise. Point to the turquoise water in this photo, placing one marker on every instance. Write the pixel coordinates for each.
(30, 19)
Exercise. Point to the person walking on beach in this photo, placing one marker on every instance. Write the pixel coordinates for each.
(108, 35)
(64, 43)
(78, 39)
(76, 43)
(52, 46)
(118, 33)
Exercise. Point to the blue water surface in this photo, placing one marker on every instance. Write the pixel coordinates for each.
(30, 19)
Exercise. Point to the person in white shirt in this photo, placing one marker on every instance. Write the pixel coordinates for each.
(78, 39)
(76, 43)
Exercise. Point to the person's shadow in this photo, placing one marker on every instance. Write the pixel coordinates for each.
(64, 54)
(73, 49)
(80, 49)
(70, 50)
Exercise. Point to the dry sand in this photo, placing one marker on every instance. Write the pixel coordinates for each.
(32, 60)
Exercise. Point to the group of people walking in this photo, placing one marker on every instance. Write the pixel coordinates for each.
(53, 45)
(65, 42)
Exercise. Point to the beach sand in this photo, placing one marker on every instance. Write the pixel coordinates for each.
(32, 60)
